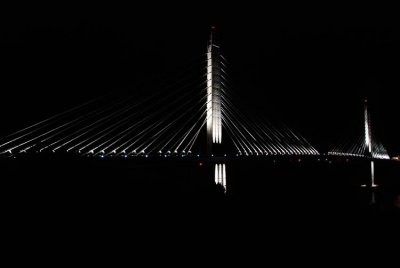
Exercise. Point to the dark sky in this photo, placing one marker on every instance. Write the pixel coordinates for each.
(310, 69)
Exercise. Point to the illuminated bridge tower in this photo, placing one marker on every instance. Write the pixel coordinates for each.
(214, 119)
(368, 142)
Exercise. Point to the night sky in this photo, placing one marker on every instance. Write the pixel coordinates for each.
(310, 70)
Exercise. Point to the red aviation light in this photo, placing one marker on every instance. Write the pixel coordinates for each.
(212, 27)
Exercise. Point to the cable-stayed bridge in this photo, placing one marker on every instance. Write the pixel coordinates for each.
(168, 122)
(367, 145)
(197, 114)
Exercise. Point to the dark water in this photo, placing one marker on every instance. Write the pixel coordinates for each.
(266, 197)
(307, 186)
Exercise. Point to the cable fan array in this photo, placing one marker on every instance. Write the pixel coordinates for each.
(360, 149)
(168, 122)
(252, 136)
(367, 144)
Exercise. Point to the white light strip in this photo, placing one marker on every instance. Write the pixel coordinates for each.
(216, 174)
(209, 94)
(220, 175)
(224, 176)
(367, 132)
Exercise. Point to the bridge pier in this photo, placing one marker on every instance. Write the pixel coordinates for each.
(373, 174)
(371, 183)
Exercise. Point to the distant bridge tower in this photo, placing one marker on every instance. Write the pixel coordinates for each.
(368, 141)
(214, 121)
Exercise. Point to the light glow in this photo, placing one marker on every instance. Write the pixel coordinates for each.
(220, 175)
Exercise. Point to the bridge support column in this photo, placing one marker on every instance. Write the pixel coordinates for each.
(214, 118)
(373, 174)
(214, 114)
(368, 143)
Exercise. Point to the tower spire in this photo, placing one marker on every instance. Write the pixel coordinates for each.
(214, 120)
(367, 127)
(368, 140)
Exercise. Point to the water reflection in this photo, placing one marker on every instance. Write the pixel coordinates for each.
(220, 175)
